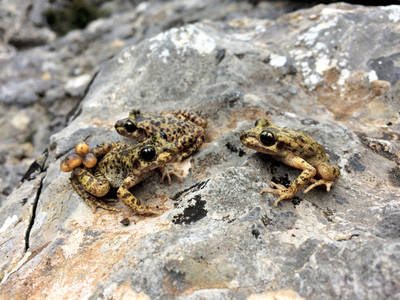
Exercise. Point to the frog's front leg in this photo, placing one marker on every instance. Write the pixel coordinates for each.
(129, 199)
(328, 174)
(80, 180)
(305, 177)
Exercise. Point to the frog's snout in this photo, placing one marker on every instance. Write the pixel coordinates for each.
(118, 125)
(243, 135)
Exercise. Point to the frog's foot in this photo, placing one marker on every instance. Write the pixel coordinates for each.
(315, 183)
(170, 169)
(283, 192)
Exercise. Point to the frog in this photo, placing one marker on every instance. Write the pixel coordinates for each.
(295, 149)
(185, 129)
(122, 166)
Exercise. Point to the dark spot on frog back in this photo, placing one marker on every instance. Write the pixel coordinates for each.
(299, 138)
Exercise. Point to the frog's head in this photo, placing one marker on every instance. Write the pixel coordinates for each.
(262, 137)
(132, 126)
(155, 151)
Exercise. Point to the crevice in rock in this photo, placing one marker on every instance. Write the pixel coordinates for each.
(33, 215)
(37, 167)
(194, 188)
(77, 109)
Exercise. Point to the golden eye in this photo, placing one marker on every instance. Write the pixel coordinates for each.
(267, 138)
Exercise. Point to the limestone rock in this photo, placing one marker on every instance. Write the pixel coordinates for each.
(219, 238)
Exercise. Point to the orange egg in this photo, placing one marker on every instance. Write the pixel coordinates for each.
(89, 160)
(82, 148)
(70, 162)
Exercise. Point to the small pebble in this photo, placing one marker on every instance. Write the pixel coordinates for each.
(125, 222)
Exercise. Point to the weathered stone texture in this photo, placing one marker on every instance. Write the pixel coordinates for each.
(318, 70)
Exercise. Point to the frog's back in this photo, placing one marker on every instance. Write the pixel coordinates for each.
(174, 127)
(301, 144)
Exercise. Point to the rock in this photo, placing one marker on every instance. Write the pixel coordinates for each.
(218, 237)
(76, 86)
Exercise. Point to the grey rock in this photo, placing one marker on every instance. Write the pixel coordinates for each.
(219, 238)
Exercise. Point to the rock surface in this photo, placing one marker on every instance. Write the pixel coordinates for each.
(330, 71)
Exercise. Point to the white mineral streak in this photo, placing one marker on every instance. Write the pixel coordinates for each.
(185, 38)
(372, 76)
(277, 60)
(309, 47)
(164, 54)
(8, 222)
(394, 12)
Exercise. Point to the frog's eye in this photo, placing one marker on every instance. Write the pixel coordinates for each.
(267, 138)
(130, 126)
(163, 135)
(147, 153)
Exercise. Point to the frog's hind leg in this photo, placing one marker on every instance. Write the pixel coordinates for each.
(130, 200)
(190, 144)
(328, 174)
(96, 184)
(90, 200)
(188, 115)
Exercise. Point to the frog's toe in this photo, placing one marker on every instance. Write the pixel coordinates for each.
(328, 185)
(100, 204)
(271, 191)
(168, 170)
(277, 186)
(279, 189)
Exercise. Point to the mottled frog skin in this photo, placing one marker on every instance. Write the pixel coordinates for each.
(183, 128)
(295, 149)
(122, 166)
